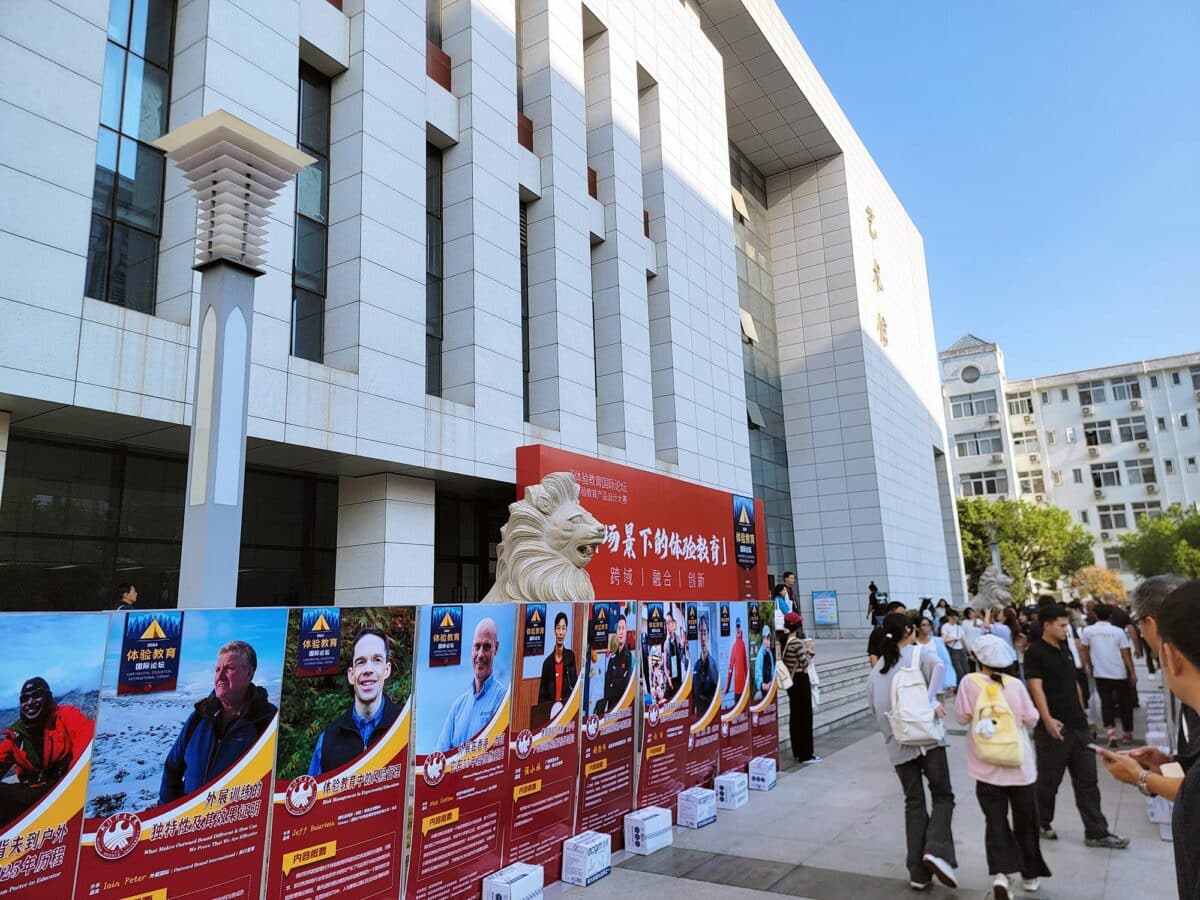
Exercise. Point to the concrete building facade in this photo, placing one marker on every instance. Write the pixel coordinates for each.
(1108, 444)
(521, 229)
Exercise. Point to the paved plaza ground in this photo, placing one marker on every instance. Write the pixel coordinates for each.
(836, 830)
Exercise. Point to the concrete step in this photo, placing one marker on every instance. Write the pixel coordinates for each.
(843, 695)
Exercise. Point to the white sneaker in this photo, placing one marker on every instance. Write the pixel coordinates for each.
(942, 869)
(1031, 884)
(1000, 887)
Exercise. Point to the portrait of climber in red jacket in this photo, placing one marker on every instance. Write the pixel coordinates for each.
(38, 750)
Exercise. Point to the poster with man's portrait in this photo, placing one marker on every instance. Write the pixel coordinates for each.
(702, 627)
(666, 685)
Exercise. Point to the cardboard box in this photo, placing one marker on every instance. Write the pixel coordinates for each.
(587, 858)
(696, 808)
(520, 881)
(648, 830)
(763, 773)
(732, 789)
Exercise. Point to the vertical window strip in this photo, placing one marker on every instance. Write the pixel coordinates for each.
(434, 308)
(311, 246)
(525, 354)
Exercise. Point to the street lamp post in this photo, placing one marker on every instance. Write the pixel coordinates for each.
(236, 171)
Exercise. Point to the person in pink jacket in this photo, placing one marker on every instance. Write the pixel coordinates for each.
(1011, 847)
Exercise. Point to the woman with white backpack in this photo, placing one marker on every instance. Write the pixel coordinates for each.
(1000, 757)
(902, 693)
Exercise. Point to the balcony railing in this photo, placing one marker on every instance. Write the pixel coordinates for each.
(525, 131)
(437, 64)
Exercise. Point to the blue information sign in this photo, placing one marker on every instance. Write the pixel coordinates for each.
(150, 652)
(319, 641)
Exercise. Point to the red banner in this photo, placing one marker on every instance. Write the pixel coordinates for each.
(609, 695)
(543, 757)
(665, 538)
(667, 704)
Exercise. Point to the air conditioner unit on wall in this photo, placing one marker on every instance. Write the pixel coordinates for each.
(1105, 536)
(1037, 498)
(1028, 418)
(1098, 493)
(994, 419)
(1033, 457)
(1143, 445)
(1135, 404)
(997, 457)
(1152, 489)
(1086, 410)
(1093, 451)
(1198, 395)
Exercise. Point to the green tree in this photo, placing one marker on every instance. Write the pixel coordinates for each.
(1035, 541)
(1169, 543)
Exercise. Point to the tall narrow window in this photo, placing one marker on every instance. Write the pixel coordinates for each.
(312, 219)
(128, 190)
(433, 270)
(525, 306)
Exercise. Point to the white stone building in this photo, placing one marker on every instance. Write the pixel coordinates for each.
(1108, 444)
(520, 230)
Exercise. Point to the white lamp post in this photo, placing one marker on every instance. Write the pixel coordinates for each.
(236, 171)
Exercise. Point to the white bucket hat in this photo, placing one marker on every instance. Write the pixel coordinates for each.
(993, 652)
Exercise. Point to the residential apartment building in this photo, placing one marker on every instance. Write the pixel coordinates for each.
(1108, 444)
(639, 231)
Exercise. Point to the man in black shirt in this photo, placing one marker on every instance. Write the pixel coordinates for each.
(1062, 735)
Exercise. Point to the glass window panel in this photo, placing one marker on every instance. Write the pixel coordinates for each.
(114, 83)
(152, 498)
(150, 32)
(140, 185)
(433, 308)
(106, 172)
(433, 245)
(145, 110)
(153, 568)
(270, 577)
(314, 112)
(433, 365)
(325, 525)
(55, 573)
(310, 255)
(308, 326)
(131, 270)
(53, 489)
(274, 512)
(312, 191)
(97, 263)
(118, 20)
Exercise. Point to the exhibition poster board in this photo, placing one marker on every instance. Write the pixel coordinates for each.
(825, 607)
(764, 700)
(543, 753)
(48, 719)
(342, 765)
(609, 694)
(736, 681)
(464, 676)
(704, 733)
(666, 684)
(180, 783)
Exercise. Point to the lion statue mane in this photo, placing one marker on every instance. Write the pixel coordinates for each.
(993, 590)
(546, 545)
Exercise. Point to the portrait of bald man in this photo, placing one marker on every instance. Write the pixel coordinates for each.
(475, 706)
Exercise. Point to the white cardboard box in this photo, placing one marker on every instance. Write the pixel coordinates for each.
(520, 881)
(763, 773)
(587, 858)
(648, 830)
(732, 789)
(696, 808)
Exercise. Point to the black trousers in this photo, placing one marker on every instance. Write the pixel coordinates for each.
(17, 799)
(1116, 701)
(1011, 847)
(927, 830)
(800, 716)
(1056, 757)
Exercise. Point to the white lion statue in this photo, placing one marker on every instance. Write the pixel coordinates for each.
(993, 590)
(545, 546)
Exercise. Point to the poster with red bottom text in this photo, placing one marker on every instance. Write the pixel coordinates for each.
(609, 694)
(764, 709)
(664, 538)
(543, 753)
(704, 734)
(666, 685)
(180, 784)
(460, 742)
(46, 729)
(338, 820)
(733, 646)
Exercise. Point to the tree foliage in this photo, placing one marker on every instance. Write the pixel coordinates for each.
(1167, 544)
(1035, 541)
(1097, 581)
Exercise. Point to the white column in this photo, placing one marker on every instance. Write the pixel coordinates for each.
(384, 540)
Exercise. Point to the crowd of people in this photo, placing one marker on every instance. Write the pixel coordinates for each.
(1045, 692)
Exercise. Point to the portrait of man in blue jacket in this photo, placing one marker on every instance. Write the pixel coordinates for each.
(223, 726)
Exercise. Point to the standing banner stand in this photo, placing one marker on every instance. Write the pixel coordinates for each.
(609, 694)
(764, 709)
(704, 734)
(461, 716)
(49, 719)
(736, 682)
(666, 685)
(338, 802)
(179, 790)
(543, 753)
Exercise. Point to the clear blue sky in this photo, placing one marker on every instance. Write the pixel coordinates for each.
(1049, 153)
